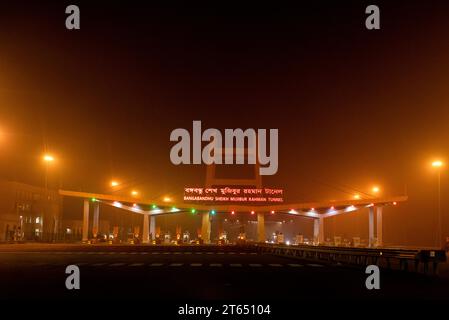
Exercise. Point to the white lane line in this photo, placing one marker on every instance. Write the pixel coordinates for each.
(117, 264)
(144, 253)
(111, 253)
(155, 252)
(101, 252)
(133, 253)
(198, 253)
(216, 265)
(275, 265)
(156, 264)
(81, 264)
(221, 253)
(177, 252)
(295, 265)
(196, 264)
(187, 252)
(136, 265)
(235, 264)
(123, 252)
(315, 265)
(98, 264)
(255, 265)
(166, 253)
(175, 264)
(242, 252)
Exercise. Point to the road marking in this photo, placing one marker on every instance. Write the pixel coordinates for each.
(209, 253)
(255, 265)
(166, 253)
(295, 265)
(235, 264)
(111, 253)
(81, 264)
(221, 253)
(144, 253)
(175, 264)
(155, 252)
(136, 265)
(242, 252)
(101, 252)
(177, 252)
(133, 253)
(231, 252)
(275, 265)
(315, 265)
(196, 264)
(156, 264)
(187, 252)
(198, 253)
(123, 252)
(98, 264)
(116, 264)
(216, 265)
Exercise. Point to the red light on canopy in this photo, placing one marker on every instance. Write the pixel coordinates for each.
(232, 212)
(272, 211)
(252, 212)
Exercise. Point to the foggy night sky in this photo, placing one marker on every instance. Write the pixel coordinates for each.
(353, 107)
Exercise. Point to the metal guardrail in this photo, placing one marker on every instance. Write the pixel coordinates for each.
(416, 260)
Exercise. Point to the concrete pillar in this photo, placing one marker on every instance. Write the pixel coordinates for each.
(371, 227)
(146, 231)
(95, 225)
(379, 226)
(86, 220)
(261, 227)
(153, 227)
(205, 228)
(318, 230)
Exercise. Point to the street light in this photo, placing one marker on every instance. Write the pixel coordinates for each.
(375, 189)
(438, 164)
(357, 197)
(48, 158)
(134, 193)
(114, 183)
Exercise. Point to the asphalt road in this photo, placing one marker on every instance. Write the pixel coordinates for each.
(194, 274)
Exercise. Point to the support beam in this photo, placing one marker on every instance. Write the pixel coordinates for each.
(86, 220)
(153, 227)
(318, 230)
(379, 227)
(205, 228)
(371, 227)
(146, 231)
(261, 227)
(95, 226)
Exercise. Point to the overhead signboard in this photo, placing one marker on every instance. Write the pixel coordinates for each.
(232, 194)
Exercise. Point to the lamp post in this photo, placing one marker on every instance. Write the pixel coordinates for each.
(47, 159)
(437, 164)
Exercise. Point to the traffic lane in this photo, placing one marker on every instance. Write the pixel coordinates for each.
(201, 277)
(37, 259)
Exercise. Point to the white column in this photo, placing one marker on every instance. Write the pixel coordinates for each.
(261, 227)
(318, 230)
(371, 227)
(86, 220)
(321, 230)
(145, 233)
(96, 222)
(205, 228)
(379, 226)
(153, 227)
